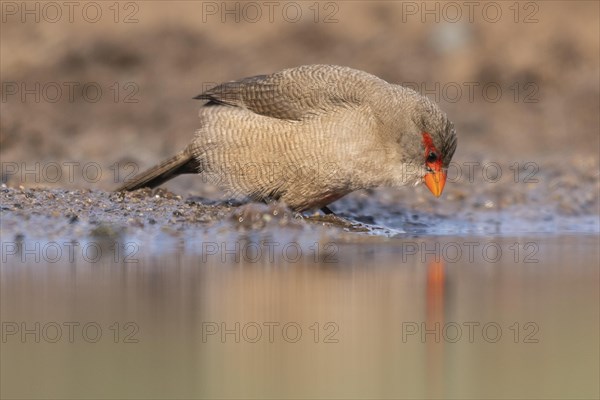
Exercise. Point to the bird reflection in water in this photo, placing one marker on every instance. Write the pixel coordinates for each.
(436, 282)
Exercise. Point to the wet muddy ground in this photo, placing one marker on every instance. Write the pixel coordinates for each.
(546, 199)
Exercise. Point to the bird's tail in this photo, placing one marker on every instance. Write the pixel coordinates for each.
(181, 163)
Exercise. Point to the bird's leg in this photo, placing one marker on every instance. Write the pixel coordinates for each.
(327, 211)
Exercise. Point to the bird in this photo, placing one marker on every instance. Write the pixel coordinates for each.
(309, 135)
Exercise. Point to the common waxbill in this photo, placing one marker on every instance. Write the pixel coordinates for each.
(312, 134)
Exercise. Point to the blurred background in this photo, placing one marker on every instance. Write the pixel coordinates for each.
(520, 81)
(109, 86)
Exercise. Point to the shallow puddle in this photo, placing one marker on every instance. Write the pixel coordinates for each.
(304, 316)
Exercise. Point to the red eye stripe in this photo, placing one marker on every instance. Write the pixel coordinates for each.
(430, 147)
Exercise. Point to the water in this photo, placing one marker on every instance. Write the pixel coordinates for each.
(332, 316)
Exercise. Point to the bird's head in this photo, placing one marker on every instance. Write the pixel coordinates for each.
(425, 141)
(438, 148)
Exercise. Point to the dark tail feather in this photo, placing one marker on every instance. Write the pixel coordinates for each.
(182, 163)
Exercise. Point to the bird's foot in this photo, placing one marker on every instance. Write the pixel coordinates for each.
(327, 211)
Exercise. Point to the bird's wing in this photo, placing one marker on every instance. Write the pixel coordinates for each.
(295, 93)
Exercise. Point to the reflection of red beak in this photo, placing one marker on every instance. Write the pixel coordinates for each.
(435, 182)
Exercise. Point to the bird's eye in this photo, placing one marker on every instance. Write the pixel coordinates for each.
(432, 157)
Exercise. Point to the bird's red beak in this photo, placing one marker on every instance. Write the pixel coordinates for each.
(435, 182)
